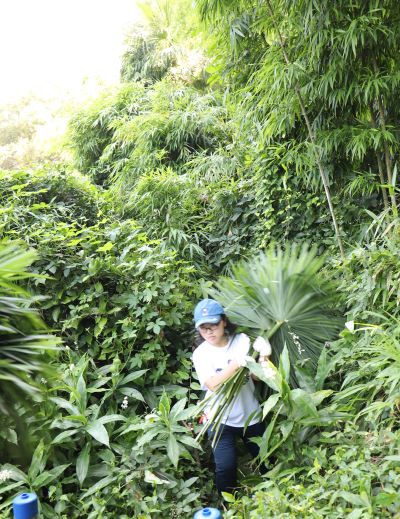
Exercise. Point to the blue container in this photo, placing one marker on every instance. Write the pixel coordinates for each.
(208, 513)
(25, 506)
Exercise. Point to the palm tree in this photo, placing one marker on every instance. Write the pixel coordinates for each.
(279, 295)
(23, 341)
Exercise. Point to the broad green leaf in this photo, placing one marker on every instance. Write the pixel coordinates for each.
(188, 440)
(393, 457)
(186, 414)
(99, 432)
(64, 436)
(229, 498)
(133, 427)
(178, 407)
(385, 498)
(38, 462)
(147, 437)
(82, 463)
(47, 477)
(284, 364)
(320, 396)
(61, 402)
(81, 388)
(189, 482)
(324, 367)
(270, 404)
(286, 429)
(354, 499)
(100, 323)
(7, 488)
(164, 406)
(131, 392)
(133, 376)
(76, 418)
(173, 450)
(303, 406)
(98, 486)
(11, 436)
(108, 418)
(269, 376)
(356, 514)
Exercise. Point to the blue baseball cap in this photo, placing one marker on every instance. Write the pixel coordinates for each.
(208, 311)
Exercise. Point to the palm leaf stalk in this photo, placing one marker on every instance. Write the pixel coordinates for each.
(281, 296)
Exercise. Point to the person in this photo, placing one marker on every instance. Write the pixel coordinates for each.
(220, 354)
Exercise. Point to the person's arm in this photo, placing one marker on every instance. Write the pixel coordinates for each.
(216, 380)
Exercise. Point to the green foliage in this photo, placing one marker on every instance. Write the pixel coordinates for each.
(91, 129)
(121, 304)
(169, 42)
(371, 271)
(171, 206)
(367, 364)
(36, 479)
(23, 338)
(296, 412)
(14, 124)
(113, 291)
(30, 129)
(101, 462)
(347, 474)
(161, 430)
(332, 68)
(178, 124)
(57, 190)
(191, 181)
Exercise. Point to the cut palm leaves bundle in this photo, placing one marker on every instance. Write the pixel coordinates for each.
(279, 295)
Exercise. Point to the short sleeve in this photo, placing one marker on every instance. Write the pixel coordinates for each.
(203, 367)
(242, 344)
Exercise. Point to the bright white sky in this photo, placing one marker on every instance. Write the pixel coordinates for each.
(55, 44)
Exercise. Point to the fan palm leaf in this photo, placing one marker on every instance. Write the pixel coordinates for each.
(279, 295)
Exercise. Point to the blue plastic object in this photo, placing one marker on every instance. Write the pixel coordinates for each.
(25, 506)
(208, 513)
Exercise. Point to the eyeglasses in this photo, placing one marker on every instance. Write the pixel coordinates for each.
(206, 328)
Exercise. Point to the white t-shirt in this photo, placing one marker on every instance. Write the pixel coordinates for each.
(209, 360)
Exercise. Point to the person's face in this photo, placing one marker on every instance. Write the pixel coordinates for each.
(214, 333)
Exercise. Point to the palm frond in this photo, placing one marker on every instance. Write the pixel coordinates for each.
(23, 338)
(281, 295)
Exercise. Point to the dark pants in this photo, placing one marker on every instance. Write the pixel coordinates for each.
(225, 455)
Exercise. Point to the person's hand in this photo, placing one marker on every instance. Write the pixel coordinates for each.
(263, 347)
(241, 359)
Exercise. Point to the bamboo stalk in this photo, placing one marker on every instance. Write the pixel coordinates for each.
(380, 166)
(388, 160)
(312, 139)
